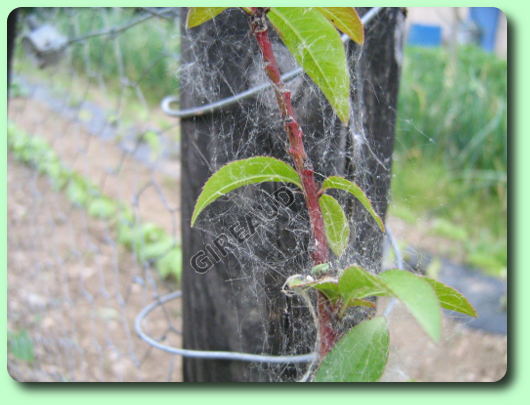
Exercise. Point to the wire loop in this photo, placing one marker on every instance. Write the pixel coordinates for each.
(208, 108)
(207, 354)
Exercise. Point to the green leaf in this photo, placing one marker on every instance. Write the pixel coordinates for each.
(450, 298)
(171, 264)
(198, 15)
(356, 282)
(355, 302)
(77, 192)
(320, 269)
(154, 250)
(335, 224)
(317, 47)
(102, 207)
(151, 233)
(20, 346)
(346, 20)
(328, 287)
(419, 298)
(240, 173)
(125, 230)
(296, 281)
(343, 184)
(58, 174)
(359, 356)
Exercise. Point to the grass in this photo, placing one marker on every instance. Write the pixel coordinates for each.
(20, 345)
(90, 69)
(425, 191)
(455, 111)
(146, 54)
(450, 165)
(143, 58)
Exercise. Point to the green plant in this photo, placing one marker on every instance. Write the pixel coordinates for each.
(460, 121)
(451, 148)
(312, 38)
(20, 345)
(154, 65)
(149, 243)
(473, 222)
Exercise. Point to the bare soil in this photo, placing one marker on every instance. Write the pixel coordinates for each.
(77, 292)
(462, 355)
(153, 195)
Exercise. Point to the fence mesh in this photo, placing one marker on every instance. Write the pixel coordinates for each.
(83, 116)
(94, 216)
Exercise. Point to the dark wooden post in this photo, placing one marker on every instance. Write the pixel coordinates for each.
(11, 34)
(236, 304)
(376, 82)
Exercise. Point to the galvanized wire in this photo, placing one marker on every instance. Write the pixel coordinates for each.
(148, 282)
(209, 354)
(113, 31)
(239, 356)
(209, 108)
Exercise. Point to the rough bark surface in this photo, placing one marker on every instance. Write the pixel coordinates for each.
(379, 71)
(11, 34)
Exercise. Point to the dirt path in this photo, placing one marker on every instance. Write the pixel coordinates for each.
(463, 354)
(77, 293)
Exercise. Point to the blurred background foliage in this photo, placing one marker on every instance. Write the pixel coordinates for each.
(149, 52)
(145, 55)
(451, 149)
(450, 162)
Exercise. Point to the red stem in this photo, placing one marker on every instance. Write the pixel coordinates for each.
(320, 251)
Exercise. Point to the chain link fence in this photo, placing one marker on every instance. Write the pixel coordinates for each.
(94, 195)
(94, 253)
